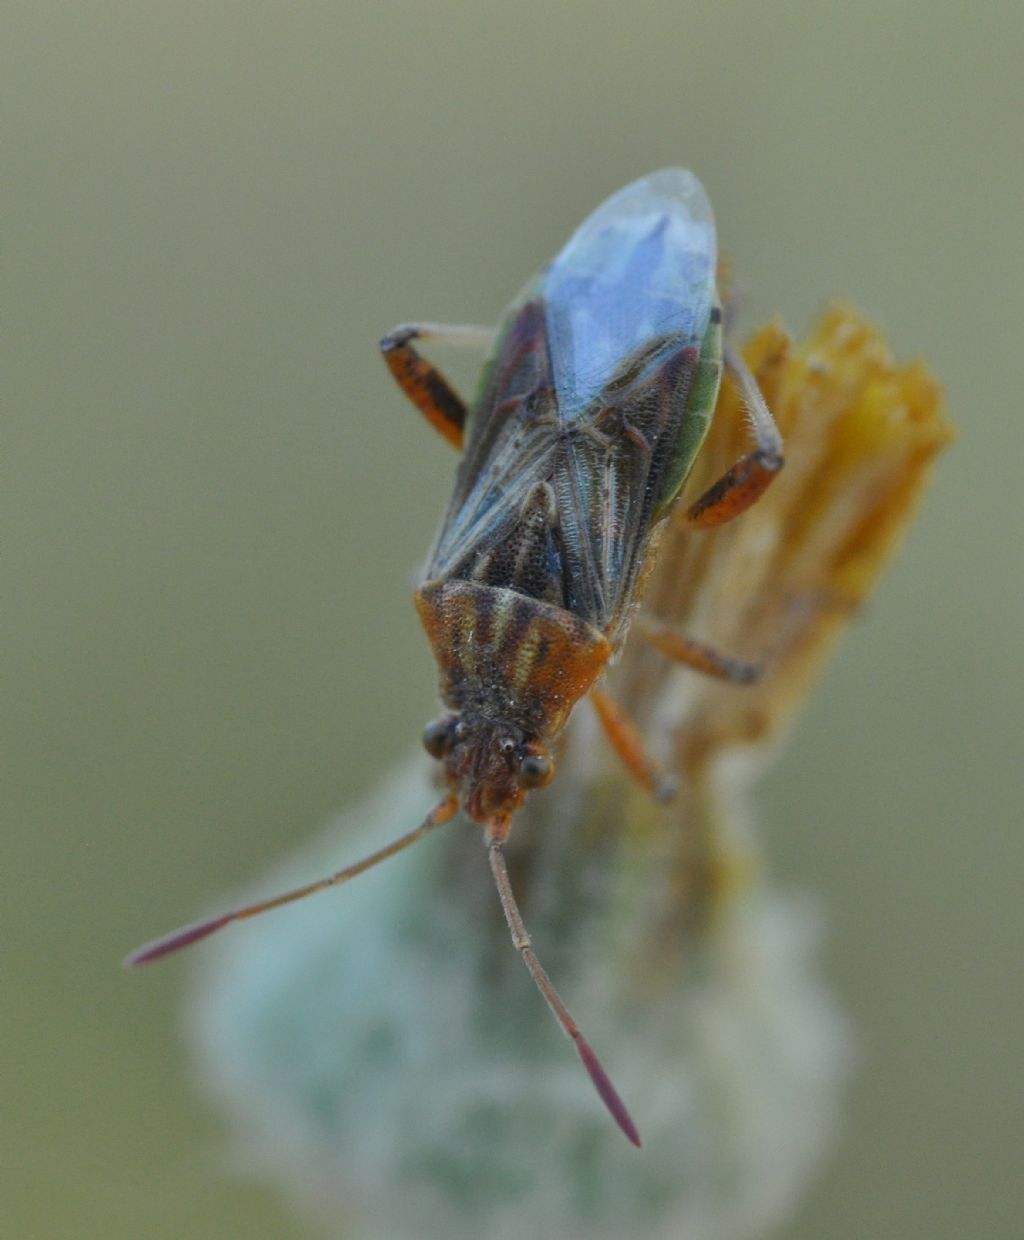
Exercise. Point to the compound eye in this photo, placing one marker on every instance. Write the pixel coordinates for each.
(536, 769)
(439, 735)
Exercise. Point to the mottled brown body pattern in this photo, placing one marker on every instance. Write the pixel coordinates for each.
(592, 408)
(505, 656)
(535, 572)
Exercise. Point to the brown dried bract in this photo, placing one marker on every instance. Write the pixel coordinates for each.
(779, 585)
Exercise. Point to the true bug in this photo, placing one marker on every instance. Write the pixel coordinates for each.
(597, 395)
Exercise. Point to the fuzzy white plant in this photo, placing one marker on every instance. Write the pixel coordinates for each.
(382, 1054)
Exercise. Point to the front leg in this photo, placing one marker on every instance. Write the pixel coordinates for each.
(422, 382)
(749, 478)
(621, 733)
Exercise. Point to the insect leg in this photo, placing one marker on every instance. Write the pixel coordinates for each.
(697, 655)
(748, 479)
(624, 738)
(422, 382)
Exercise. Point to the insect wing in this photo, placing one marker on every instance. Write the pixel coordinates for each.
(634, 350)
(510, 444)
(641, 267)
(584, 412)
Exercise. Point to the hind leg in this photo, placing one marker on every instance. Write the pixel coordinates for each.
(749, 478)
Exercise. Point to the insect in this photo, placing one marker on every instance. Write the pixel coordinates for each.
(594, 402)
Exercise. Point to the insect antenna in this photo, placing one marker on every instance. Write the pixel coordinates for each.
(443, 812)
(497, 832)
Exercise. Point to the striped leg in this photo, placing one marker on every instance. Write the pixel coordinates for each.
(422, 382)
(748, 479)
(624, 738)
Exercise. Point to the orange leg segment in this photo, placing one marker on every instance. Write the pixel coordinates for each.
(749, 478)
(422, 382)
(624, 738)
(697, 655)
(734, 492)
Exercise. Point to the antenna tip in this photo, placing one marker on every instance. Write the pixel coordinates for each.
(156, 948)
(607, 1091)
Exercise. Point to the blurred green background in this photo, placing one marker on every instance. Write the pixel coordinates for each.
(214, 501)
